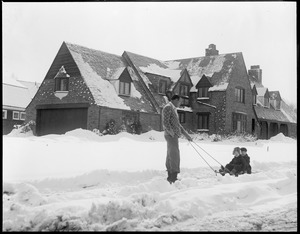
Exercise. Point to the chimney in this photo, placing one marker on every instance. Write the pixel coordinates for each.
(256, 72)
(211, 51)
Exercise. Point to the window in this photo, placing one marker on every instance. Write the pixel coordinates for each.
(22, 116)
(162, 87)
(184, 90)
(203, 121)
(267, 102)
(16, 115)
(181, 116)
(185, 101)
(254, 99)
(240, 95)
(124, 88)
(4, 114)
(61, 84)
(203, 92)
(277, 105)
(239, 122)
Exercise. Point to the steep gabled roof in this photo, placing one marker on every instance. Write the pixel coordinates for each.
(262, 92)
(275, 95)
(269, 114)
(218, 68)
(99, 68)
(153, 66)
(15, 96)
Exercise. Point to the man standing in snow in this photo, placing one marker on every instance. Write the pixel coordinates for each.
(173, 130)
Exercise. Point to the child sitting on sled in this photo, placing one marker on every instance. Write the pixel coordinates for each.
(237, 165)
(247, 159)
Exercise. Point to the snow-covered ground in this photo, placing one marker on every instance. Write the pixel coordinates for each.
(80, 181)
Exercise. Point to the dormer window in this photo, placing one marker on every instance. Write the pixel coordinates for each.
(254, 100)
(62, 80)
(124, 88)
(203, 92)
(267, 102)
(240, 94)
(61, 84)
(276, 104)
(184, 90)
(162, 87)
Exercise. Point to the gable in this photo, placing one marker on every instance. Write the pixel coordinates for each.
(125, 76)
(63, 57)
(203, 82)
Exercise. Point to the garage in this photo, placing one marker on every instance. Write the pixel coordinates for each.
(60, 120)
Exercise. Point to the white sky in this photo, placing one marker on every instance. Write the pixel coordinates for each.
(265, 32)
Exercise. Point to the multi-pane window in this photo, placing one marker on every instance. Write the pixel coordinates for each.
(239, 122)
(185, 101)
(203, 121)
(277, 105)
(184, 90)
(61, 84)
(254, 99)
(162, 87)
(203, 92)
(22, 116)
(124, 88)
(240, 95)
(16, 115)
(4, 114)
(267, 102)
(181, 116)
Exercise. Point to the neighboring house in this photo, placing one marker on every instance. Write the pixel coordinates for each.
(273, 114)
(86, 88)
(16, 96)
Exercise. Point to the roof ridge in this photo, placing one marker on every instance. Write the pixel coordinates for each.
(14, 85)
(203, 56)
(89, 48)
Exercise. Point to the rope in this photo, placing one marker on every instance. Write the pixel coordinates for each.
(207, 153)
(204, 160)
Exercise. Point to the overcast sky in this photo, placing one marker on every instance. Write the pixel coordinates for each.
(265, 32)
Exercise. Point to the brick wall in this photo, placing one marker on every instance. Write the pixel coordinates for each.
(78, 93)
(239, 79)
(150, 122)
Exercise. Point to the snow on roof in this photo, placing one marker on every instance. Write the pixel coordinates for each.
(212, 67)
(61, 73)
(12, 81)
(103, 91)
(290, 118)
(186, 109)
(220, 87)
(31, 86)
(275, 95)
(114, 75)
(155, 69)
(261, 91)
(15, 96)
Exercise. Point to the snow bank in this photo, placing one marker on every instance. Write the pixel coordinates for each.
(282, 138)
(80, 181)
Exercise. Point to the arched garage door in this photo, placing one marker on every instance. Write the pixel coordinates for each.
(60, 120)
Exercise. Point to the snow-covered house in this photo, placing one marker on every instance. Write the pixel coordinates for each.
(216, 89)
(16, 95)
(272, 112)
(87, 88)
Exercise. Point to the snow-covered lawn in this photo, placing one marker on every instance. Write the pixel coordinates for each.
(85, 182)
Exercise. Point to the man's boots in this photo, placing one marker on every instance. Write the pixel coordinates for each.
(172, 177)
